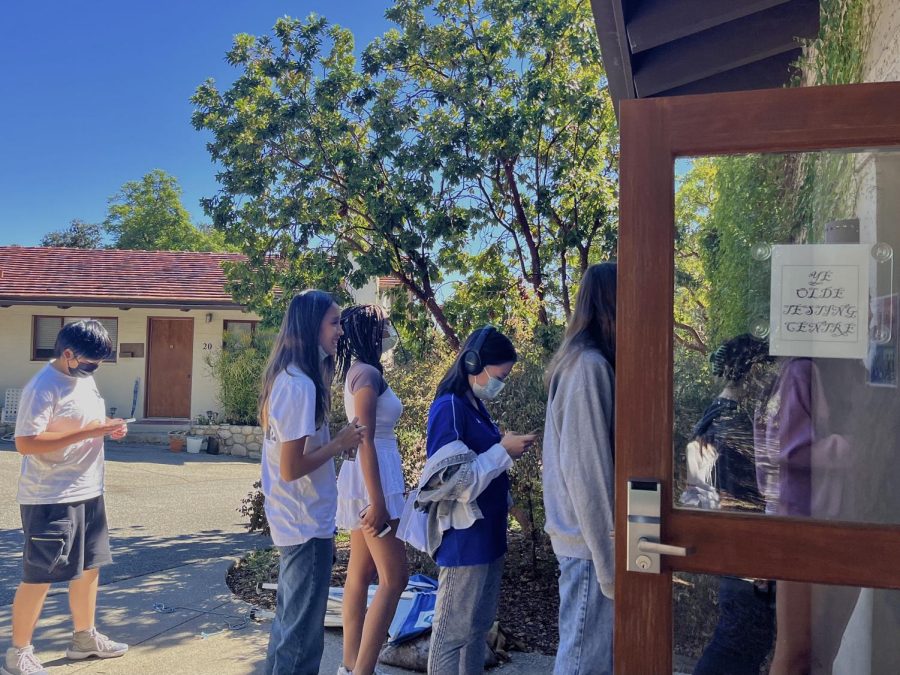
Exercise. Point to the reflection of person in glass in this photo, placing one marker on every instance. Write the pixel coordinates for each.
(805, 469)
(724, 440)
(810, 434)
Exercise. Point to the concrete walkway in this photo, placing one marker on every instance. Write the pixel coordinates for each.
(194, 638)
(174, 531)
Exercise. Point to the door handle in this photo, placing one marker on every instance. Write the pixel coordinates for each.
(644, 519)
(647, 546)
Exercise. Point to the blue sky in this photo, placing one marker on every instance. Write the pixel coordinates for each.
(94, 94)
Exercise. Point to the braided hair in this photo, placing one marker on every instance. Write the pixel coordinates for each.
(363, 331)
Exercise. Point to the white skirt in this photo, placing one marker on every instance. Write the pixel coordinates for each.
(353, 496)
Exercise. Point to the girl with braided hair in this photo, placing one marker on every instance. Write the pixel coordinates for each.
(370, 488)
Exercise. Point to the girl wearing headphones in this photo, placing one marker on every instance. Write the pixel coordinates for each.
(466, 481)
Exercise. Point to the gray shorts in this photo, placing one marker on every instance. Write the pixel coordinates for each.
(63, 540)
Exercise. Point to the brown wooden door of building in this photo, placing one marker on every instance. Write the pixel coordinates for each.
(808, 566)
(169, 364)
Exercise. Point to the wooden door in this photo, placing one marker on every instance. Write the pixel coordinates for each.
(169, 364)
(846, 551)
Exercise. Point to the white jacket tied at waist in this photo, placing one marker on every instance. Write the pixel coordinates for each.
(451, 481)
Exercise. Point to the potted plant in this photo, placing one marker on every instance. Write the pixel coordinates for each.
(176, 441)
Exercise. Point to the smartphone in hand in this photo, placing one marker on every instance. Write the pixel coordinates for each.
(385, 529)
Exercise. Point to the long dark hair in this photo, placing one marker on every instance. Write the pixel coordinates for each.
(496, 349)
(363, 330)
(297, 344)
(593, 323)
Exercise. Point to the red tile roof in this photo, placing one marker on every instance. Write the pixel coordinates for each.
(113, 277)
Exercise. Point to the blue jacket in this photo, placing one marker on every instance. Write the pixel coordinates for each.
(454, 419)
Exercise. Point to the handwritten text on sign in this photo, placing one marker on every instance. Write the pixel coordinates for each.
(819, 301)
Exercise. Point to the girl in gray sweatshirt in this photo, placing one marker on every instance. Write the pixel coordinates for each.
(578, 459)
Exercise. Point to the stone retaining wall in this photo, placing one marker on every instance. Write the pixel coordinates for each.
(234, 439)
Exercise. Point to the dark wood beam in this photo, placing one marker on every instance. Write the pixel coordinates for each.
(769, 73)
(610, 23)
(725, 47)
(656, 22)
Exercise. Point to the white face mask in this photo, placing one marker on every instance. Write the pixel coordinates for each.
(389, 341)
(490, 390)
(322, 353)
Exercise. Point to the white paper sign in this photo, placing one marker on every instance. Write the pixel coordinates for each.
(820, 300)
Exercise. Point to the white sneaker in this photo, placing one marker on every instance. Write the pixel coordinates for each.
(344, 671)
(94, 643)
(22, 662)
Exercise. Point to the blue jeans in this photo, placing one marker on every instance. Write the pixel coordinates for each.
(464, 612)
(585, 621)
(298, 631)
(744, 633)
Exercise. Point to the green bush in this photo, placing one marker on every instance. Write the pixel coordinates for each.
(238, 369)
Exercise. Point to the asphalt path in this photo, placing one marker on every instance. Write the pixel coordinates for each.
(165, 510)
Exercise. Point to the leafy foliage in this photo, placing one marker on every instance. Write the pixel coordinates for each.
(238, 369)
(769, 199)
(78, 234)
(148, 215)
(471, 156)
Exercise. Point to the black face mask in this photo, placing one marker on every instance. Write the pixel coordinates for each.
(83, 369)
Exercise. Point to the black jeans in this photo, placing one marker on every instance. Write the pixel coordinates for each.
(745, 632)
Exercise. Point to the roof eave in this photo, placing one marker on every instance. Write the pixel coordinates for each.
(146, 303)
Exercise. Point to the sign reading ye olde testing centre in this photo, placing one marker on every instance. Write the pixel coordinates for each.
(820, 300)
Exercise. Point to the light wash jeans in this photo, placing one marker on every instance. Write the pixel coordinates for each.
(585, 621)
(298, 630)
(464, 612)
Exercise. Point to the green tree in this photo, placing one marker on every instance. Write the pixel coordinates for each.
(472, 156)
(148, 215)
(522, 121)
(78, 234)
(695, 196)
(322, 173)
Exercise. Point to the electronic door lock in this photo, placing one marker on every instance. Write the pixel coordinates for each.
(644, 546)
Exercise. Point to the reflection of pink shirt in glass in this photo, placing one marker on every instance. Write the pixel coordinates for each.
(784, 432)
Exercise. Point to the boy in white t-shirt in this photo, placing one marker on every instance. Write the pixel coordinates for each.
(59, 432)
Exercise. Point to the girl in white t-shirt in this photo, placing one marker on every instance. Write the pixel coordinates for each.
(370, 489)
(298, 478)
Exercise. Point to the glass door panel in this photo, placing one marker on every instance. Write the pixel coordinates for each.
(785, 379)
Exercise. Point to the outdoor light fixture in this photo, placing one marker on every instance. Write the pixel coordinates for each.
(209, 317)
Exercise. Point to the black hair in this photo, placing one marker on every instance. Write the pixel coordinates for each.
(496, 349)
(733, 359)
(86, 338)
(297, 344)
(363, 330)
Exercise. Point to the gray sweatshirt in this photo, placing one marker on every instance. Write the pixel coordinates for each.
(579, 492)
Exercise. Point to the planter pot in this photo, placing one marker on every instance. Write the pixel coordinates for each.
(194, 443)
(176, 442)
(212, 445)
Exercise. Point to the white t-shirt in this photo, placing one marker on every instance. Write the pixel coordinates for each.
(305, 508)
(52, 401)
